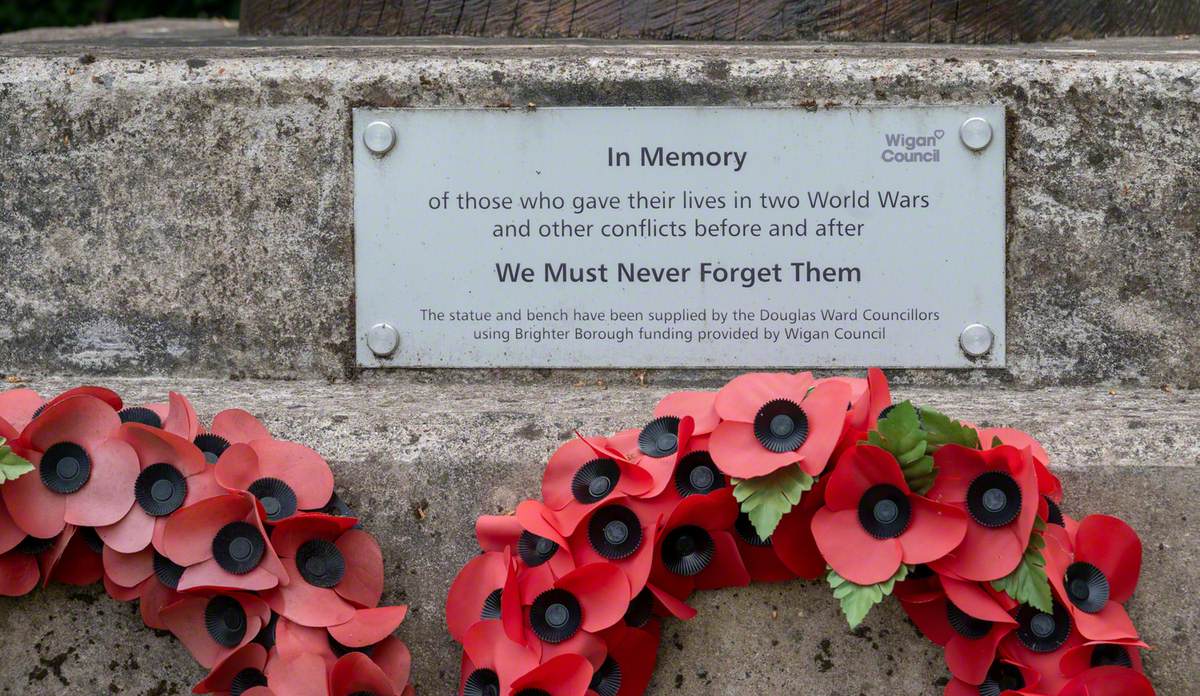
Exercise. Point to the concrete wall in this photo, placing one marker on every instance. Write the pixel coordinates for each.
(184, 206)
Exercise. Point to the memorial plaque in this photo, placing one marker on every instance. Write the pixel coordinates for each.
(680, 237)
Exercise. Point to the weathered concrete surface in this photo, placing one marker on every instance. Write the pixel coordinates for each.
(421, 461)
(178, 200)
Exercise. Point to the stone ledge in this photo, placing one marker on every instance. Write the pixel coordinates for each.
(171, 195)
(421, 461)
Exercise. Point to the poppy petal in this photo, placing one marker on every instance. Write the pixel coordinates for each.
(934, 531)
(368, 626)
(858, 470)
(602, 591)
(238, 467)
(108, 494)
(675, 607)
(155, 597)
(10, 533)
(236, 425)
(308, 605)
(793, 539)
(128, 569)
(478, 578)
(155, 445)
(930, 619)
(737, 452)
(984, 554)
(290, 534)
(301, 675)
(83, 420)
(741, 398)
(970, 660)
(487, 646)
(209, 575)
(494, 532)
(975, 601)
(700, 405)
(356, 673)
(1109, 624)
(825, 407)
(181, 419)
(394, 659)
(849, 550)
(300, 467)
(17, 407)
(19, 574)
(363, 583)
(1112, 546)
(37, 510)
(185, 619)
(727, 569)
(132, 533)
(79, 565)
(1109, 681)
(249, 656)
(564, 675)
(957, 467)
(292, 639)
(188, 537)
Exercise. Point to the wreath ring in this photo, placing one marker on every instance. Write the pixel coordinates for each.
(782, 476)
(230, 539)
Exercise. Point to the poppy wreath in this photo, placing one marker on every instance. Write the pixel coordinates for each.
(230, 539)
(783, 476)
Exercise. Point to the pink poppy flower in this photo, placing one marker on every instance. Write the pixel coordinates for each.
(172, 475)
(334, 570)
(236, 673)
(229, 427)
(997, 488)
(621, 532)
(589, 599)
(85, 473)
(146, 576)
(1097, 577)
(286, 477)
(176, 416)
(587, 471)
(222, 545)
(695, 549)
(872, 522)
(543, 552)
(772, 420)
(211, 626)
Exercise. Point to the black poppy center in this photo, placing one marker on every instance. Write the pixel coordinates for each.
(660, 437)
(1042, 632)
(697, 475)
(781, 426)
(555, 615)
(966, 625)
(535, 550)
(140, 414)
(245, 680)
(65, 467)
(491, 605)
(641, 608)
(595, 480)
(615, 532)
(277, 498)
(238, 547)
(321, 563)
(687, 550)
(1087, 587)
(211, 446)
(745, 529)
(167, 571)
(884, 511)
(160, 489)
(1111, 655)
(606, 681)
(1001, 677)
(482, 682)
(994, 499)
(225, 620)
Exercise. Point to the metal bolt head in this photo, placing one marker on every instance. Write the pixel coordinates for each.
(976, 340)
(975, 133)
(379, 137)
(383, 339)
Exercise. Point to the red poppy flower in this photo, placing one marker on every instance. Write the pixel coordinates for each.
(176, 416)
(772, 420)
(997, 488)
(699, 405)
(1048, 484)
(491, 662)
(211, 626)
(758, 554)
(334, 570)
(284, 476)
(629, 662)
(146, 576)
(85, 474)
(229, 427)
(869, 398)
(222, 545)
(1040, 642)
(356, 674)
(563, 675)
(543, 552)
(172, 475)
(1080, 659)
(589, 599)
(587, 471)
(74, 559)
(1004, 678)
(236, 673)
(1100, 576)
(695, 549)
(1109, 681)
(872, 522)
(793, 540)
(475, 594)
(963, 618)
(621, 532)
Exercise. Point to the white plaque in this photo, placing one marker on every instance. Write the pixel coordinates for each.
(680, 237)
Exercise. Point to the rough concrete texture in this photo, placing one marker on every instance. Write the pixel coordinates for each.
(420, 462)
(178, 200)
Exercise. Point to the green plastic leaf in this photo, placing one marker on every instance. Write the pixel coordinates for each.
(901, 433)
(857, 600)
(943, 430)
(11, 464)
(996, 441)
(1028, 584)
(766, 499)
